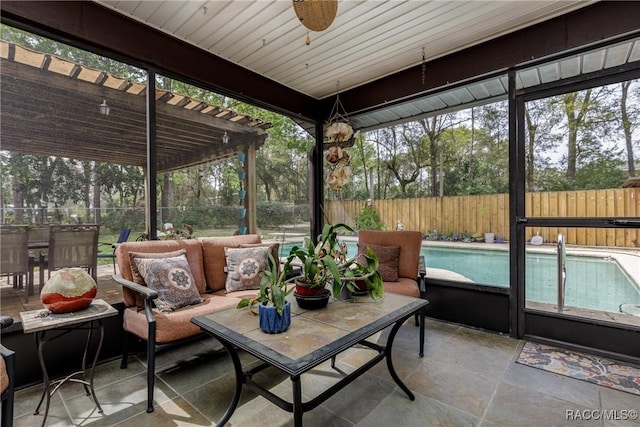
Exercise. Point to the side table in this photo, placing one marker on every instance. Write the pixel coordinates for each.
(42, 321)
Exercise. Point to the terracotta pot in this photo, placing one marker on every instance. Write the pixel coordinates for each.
(307, 290)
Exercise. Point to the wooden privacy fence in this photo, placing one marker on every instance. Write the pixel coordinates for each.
(490, 213)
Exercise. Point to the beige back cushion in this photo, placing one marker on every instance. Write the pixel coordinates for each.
(410, 243)
(215, 260)
(193, 253)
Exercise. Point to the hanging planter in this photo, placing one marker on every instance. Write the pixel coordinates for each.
(338, 131)
(241, 157)
(241, 175)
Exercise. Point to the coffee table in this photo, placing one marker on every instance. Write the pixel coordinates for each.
(314, 337)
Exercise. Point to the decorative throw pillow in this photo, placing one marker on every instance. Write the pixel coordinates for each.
(135, 273)
(388, 256)
(245, 267)
(274, 248)
(172, 279)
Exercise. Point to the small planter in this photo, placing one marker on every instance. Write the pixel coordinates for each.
(271, 322)
(314, 302)
(489, 237)
(307, 290)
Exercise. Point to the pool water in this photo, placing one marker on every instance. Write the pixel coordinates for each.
(592, 282)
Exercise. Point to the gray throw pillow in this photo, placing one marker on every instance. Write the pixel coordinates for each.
(172, 279)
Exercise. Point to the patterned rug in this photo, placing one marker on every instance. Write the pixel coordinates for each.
(593, 369)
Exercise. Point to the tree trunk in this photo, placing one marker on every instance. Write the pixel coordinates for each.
(626, 128)
(530, 146)
(575, 119)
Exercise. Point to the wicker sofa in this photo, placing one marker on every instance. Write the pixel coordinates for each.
(143, 320)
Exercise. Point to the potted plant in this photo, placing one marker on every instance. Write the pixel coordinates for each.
(326, 262)
(273, 308)
(357, 277)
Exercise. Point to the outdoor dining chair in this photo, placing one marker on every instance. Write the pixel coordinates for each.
(72, 246)
(14, 256)
(123, 237)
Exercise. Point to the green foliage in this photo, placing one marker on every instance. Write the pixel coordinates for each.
(323, 262)
(273, 287)
(273, 215)
(368, 219)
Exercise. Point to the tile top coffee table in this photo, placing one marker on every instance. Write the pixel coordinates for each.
(314, 337)
(41, 321)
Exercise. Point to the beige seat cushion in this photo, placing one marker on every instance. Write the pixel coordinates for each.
(177, 324)
(404, 286)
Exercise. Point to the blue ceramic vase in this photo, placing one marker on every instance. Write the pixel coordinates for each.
(271, 322)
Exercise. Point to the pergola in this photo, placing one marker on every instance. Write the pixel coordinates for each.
(67, 122)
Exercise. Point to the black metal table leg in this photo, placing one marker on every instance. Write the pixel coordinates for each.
(86, 381)
(297, 401)
(237, 366)
(387, 352)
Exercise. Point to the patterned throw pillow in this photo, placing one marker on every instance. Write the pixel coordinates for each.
(135, 273)
(172, 279)
(388, 256)
(245, 267)
(272, 248)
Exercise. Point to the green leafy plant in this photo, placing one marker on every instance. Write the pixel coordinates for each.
(354, 272)
(273, 287)
(368, 219)
(325, 261)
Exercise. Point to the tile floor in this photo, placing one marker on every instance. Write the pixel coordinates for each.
(466, 378)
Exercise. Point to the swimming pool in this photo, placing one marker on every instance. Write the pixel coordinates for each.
(592, 282)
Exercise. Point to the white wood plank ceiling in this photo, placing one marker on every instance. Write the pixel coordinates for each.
(368, 39)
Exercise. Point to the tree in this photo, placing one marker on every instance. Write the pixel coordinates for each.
(541, 118)
(627, 118)
(433, 128)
